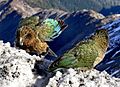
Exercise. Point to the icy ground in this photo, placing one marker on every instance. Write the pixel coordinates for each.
(90, 78)
(16, 71)
(15, 67)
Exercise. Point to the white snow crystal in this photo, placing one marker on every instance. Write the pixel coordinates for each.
(58, 74)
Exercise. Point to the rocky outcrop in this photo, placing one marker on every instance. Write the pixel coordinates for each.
(23, 8)
(110, 18)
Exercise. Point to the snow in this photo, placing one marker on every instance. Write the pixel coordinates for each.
(90, 78)
(15, 67)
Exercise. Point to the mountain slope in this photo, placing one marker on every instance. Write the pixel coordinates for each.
(74, 5)
(81, 24)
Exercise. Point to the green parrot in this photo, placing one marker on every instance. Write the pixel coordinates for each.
(48, 30)
(85, 55)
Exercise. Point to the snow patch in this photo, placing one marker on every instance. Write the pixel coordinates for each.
(77, 78)
(15, 67)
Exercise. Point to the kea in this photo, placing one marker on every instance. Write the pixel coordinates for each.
(85, 54)
(33, 35)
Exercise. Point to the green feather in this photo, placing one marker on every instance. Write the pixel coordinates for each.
(29, 21)
(85, 54)
(44, 32)
(49, 29)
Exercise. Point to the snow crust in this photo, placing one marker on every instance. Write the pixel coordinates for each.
(77, 78)
(15, 67)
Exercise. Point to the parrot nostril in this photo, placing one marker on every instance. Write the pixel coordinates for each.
(47, 49)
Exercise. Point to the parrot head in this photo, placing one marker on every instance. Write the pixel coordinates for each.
(25, 34)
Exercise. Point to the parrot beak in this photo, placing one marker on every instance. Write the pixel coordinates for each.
(50, 52)
(21, 43)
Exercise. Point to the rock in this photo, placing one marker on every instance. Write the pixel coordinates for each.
(22, 7)
(110, 18)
